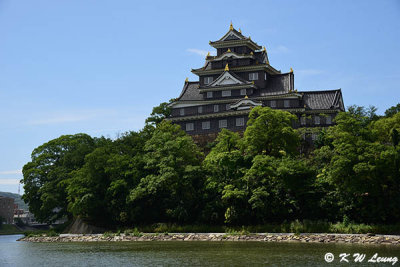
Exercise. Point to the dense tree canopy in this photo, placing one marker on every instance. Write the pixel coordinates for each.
(363, 167)
(45, 177)
(169, 188)
(160, 175)
(270, 132)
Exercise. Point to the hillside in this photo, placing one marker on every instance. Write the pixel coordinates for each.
(17, 199)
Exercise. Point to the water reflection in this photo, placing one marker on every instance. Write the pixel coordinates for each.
(13, 253)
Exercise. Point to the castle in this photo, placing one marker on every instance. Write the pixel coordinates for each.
(238, 78)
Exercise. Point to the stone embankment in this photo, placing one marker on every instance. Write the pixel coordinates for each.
(310, 238)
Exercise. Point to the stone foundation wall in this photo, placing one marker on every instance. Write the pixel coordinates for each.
(266, 237)
(203, 139)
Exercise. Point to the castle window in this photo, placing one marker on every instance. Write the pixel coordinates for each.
(208, 80)
(223, 123)
(182, 112)
(329, 119)
(273, 103)
(286, 103)
(253, 76)
(226, 93)
(239, 121)
(242, 91)
(200, 109)
(209, 94)
(205, 125)
(189, 126)
(317, 120)
(216, 108)
(303, 120)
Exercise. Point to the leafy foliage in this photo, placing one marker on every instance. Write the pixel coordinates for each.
(169, 189)
(270, 132)
(45, 177)
(158, 176)
(392, 110)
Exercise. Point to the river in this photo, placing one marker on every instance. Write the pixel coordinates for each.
(196, 253)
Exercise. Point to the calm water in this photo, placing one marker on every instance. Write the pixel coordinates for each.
(13, 253)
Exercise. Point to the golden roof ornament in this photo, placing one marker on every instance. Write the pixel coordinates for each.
(249, 37)
(246, 97)
(240, 30)
(229, 50)
(291, 70)
(251, 53)
(186, 80)
(208, 54)
(231, 26)
(226, 67)
(252, 82)
(264, 49)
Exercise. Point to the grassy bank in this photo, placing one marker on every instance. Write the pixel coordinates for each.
(286, 227)
(9, 229)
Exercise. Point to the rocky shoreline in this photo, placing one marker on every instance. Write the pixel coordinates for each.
(265, 237)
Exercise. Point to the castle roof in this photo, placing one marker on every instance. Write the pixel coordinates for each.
(238, 62)
(190, 92)
(206, 69)
(327, 99)
(234, 38)
(278, 85)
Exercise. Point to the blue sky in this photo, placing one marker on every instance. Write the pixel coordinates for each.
(99, 67)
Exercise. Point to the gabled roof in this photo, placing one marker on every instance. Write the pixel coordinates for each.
(228, 78)
(245, 103)
(190, 91)
(234, 38)
(328, 99)
(206, 70)
(231, 43)
(232, 34)
(262, 57)
(230, 54)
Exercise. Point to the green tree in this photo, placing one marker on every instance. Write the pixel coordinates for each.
(384, 130)
(98, 191)
(47, 174)
(279, 189)
(172, 187)
(159, 113)
(362, 169)
(225, 165)
(392, 110)
(270, 132)
(363, 114)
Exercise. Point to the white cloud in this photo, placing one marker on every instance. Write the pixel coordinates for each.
(9, 181)
(11, 172)
(308, 72)
(197, 51)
